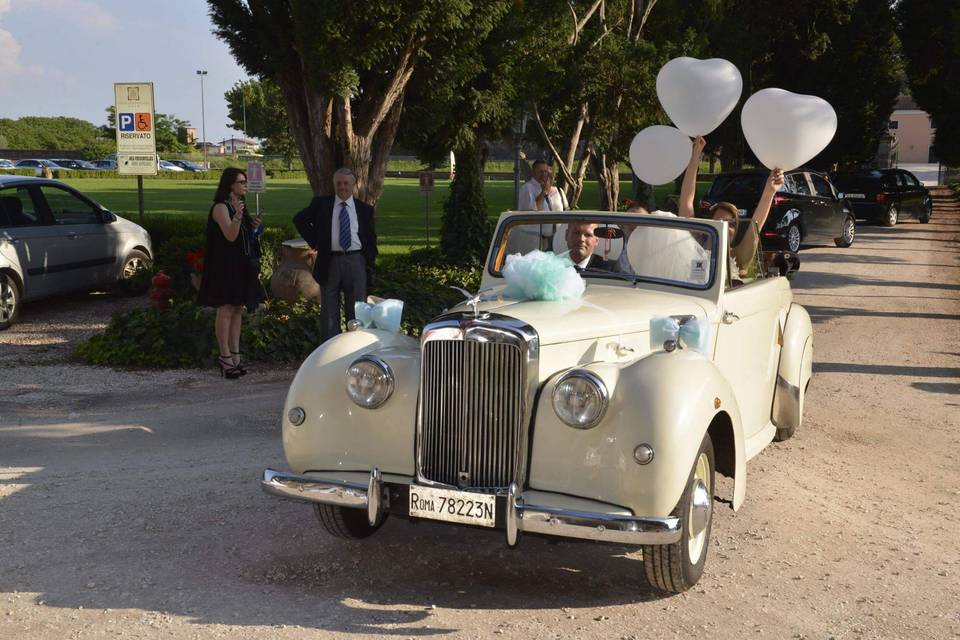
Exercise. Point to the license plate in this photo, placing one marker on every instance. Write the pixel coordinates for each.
(453, 506)
(859, 196)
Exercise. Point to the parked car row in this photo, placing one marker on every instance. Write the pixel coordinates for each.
(54, 239)
(814, 207)
(107, 164)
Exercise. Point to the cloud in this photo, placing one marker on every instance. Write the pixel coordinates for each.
(86, 13)
(9, 48)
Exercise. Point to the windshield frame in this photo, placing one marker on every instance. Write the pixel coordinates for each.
(564, 217)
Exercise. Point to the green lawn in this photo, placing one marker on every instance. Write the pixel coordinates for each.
(400, 212)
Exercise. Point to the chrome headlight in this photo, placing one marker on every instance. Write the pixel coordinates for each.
(580, 399)
(369, 382)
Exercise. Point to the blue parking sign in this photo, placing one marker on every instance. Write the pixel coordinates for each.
(126, 122)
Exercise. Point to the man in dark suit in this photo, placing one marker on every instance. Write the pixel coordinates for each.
(340, 229)
(581, 241)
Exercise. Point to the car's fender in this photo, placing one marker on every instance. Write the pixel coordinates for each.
(794, 370)
(666, 400)
(340, 435)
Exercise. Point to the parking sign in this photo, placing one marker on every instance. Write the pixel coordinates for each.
(136, 137)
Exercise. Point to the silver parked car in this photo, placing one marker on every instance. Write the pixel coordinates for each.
(54, 239)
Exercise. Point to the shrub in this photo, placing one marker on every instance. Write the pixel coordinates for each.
(282, 332)
(18, 172)
(179, 337)
(171, 258)
(422, 279)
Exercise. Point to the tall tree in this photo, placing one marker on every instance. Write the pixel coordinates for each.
(460, 106)
(343, 69)
(256, 108)
(930, 33)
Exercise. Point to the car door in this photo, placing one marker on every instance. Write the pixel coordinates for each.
(828, 216)
(89, 252)
(914, 193)
(30, 239)
(749, 338)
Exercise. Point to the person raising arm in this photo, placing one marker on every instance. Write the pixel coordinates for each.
(689, 188)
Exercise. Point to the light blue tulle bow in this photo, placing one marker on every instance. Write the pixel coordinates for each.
(383, 315)
(692, 334)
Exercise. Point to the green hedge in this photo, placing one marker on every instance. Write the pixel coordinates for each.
(19, 172)
(278, 332)
(163, 175)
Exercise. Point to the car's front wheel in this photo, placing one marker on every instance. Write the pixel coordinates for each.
(893, 215)
(794, 236)
(342, 522)
(927, 212)
(9, 300)
(848, 233)
(678, 566)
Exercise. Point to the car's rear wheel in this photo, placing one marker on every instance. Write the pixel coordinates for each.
(794, 236)
(678, 566)
(351, 524)
(892, 217)
(848, 233)
(9, 300)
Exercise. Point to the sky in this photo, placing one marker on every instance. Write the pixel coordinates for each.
(61, 58)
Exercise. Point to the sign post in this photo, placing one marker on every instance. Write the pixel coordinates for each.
(426, 188)
(136, 134)
(256, 181)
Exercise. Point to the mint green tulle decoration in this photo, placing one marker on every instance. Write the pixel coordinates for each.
(540, 275)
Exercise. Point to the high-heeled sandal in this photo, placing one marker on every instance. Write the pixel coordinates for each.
(238, 366)
(227, 370)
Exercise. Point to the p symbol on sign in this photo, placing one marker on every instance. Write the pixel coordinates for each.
(126, 122)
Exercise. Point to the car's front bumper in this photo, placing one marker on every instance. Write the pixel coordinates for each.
(378, 497)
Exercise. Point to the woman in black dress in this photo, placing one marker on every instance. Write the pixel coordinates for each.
(231, 270)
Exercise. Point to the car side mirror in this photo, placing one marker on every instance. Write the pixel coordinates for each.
(786, 262)
(107, 216)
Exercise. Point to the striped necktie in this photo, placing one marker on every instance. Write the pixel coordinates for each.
(344, 227)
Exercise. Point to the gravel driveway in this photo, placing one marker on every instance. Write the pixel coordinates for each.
(129, 503)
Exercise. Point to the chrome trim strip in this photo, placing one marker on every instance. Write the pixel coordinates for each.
(599, 527)
(309, 489)
(786, 404)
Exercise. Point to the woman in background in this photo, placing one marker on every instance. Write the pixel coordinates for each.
(231, 272)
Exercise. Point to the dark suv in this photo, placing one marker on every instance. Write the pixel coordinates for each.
(807, 209)
(885, 195)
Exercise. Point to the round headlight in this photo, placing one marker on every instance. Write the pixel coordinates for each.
(580, 399)
(369, 382)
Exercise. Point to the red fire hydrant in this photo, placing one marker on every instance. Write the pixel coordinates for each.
(160, 293)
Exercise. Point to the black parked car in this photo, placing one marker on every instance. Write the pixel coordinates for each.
(807, 209)
(885, 195)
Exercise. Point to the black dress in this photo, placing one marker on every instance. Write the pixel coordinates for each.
(231, 270)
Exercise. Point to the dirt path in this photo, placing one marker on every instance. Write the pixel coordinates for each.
(129, 504)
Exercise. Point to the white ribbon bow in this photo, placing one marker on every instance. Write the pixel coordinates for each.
(385, 314)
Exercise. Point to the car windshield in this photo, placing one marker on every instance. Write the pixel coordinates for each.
(655, 248)
(737, 183)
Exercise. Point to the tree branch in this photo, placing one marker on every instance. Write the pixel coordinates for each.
(578, 25)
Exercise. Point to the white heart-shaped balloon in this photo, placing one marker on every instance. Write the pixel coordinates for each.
(658, 154)
(786, 129)
(698, 95)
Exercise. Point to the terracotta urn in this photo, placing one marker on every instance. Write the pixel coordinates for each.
(293, 277)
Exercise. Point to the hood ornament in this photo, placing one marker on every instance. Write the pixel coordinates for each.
(472, 300)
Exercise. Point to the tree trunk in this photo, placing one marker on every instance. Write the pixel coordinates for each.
(608, 179)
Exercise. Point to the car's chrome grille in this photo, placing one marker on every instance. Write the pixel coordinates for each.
(471, 412)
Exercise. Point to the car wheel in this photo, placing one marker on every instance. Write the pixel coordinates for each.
(794, 236)
(892, 217)
(351, 524)
(848, 234)
(678, 566)
(927, 212)
(135, 262)
(9, 300)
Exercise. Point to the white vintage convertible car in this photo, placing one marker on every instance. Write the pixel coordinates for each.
(603, 417)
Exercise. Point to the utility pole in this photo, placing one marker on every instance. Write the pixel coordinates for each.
(203, 119)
